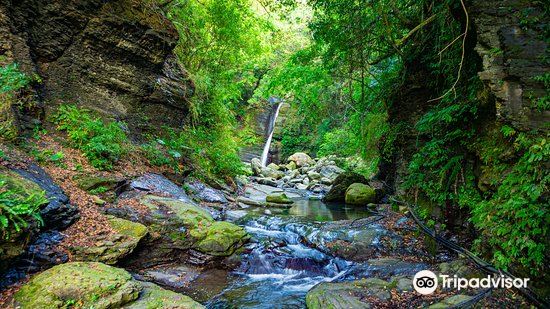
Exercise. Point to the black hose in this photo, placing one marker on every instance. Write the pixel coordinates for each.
(481, 264)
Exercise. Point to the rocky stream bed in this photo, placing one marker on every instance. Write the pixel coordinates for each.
(295, 235)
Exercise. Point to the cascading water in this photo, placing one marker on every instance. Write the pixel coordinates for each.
(270, 137)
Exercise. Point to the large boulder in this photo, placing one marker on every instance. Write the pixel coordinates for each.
(175, 226)
(360, 194)
(95, 285)
(111, 248)
(56, 212)
(337, 192)
(88, 284)
(271, 173)
(153, 296)
(301, 159)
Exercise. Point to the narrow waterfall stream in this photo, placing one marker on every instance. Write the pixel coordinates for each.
(270, 137)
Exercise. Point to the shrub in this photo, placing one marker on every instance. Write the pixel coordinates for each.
(17, 207)
(103, 143)
(11, 82)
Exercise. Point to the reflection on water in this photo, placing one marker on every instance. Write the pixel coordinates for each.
(317, 210)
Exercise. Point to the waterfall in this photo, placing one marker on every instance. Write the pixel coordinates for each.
(268, 142)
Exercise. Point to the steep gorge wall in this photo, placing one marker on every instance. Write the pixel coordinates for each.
(508, 45)
(115, 57)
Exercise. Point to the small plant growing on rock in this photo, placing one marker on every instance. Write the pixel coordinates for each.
(17, 208)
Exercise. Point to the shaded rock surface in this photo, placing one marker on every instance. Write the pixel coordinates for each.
(57, 214)
(115, 57)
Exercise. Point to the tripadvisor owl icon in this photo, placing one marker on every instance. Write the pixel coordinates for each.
(425, 282)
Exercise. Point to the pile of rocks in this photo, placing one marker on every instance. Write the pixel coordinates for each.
(300, 172)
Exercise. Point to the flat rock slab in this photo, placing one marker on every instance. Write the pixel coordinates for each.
(156, 183)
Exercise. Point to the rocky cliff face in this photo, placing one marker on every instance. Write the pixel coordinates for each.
(506, 41)
(511, 41)
(115, 57)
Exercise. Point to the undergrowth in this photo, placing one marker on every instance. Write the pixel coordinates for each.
(103, 143)
(17, 208)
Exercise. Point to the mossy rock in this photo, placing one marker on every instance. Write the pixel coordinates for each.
(92, 182)
(13, 247)
(112, 248)
(278, 198)
(337, 192)
(186, 226)
(360, 194)
(222, 239)
(154, 296)
(19, 184)
(347, 295)
(88, 284)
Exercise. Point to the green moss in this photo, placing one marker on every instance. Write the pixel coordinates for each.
(154, 296)
(128, 228)
(89, 284)
(222, 239)
(360, 194)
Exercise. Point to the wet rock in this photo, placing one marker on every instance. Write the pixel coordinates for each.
(273, 166)
(56, 213)
(256, 166)
(313, 175)
(59, 213)
(347, 295)
(271, 173)
(112, 248)
(267, 182)
(206, 193)
(278, 198)
(156, 183)
(384, 268)
(291, 166)
(360, 194)
(339, 186)
(301, 159)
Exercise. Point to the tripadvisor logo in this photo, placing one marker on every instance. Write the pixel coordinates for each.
(425, 282)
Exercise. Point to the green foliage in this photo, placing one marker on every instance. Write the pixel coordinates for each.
(17, 208)
(49, 156)
(514, 219)
(12, 79)
(103, 143)
(12, 82)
